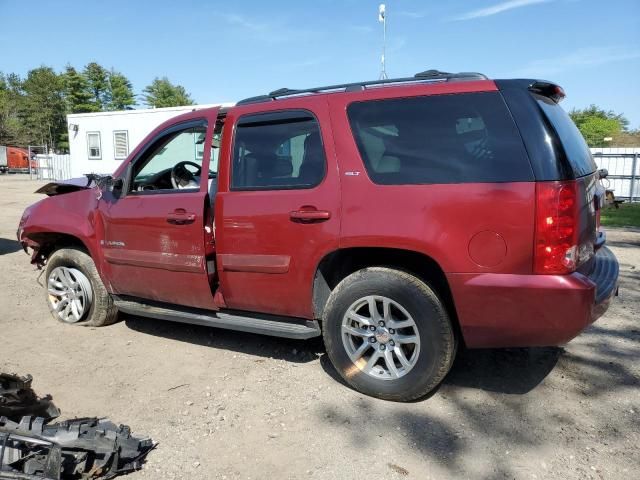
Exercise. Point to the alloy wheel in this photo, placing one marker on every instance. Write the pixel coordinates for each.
(380, 337)
(70, 293)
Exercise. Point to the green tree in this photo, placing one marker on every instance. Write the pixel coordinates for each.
(12, 131)
(98, 78)
(119, 94)
(42, 109)
(162, 93)
(596, 124)
(77, 92)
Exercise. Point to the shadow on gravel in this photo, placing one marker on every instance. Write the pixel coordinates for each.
(296, 351)
(511, 371)
(9, 246)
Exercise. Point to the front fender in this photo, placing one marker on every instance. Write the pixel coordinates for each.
(69, 215)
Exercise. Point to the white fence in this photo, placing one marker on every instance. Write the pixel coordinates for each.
(53, 167)
(623, 165)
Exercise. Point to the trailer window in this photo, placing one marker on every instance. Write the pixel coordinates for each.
(94, 145)
(120, 144)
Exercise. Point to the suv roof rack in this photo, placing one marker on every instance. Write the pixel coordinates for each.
(427, 75)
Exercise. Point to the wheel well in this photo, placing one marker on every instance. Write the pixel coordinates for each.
(339, 264)
(50, 242)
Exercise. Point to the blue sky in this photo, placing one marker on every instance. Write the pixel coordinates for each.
(225, 51)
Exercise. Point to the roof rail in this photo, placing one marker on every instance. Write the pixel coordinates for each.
(427, 75)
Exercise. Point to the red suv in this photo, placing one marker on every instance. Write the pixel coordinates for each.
(395, 218)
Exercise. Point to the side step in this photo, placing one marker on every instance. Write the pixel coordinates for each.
(276, 326)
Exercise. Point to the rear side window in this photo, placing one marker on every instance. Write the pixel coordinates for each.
(459, 138)
(575, 148)
(276, 151)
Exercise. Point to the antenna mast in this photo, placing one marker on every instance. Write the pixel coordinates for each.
(382, 18)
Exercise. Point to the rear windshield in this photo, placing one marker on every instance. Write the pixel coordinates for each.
(575, 148)
(460, 138)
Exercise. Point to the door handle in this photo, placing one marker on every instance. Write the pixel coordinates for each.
(309, 215)
(180, 217)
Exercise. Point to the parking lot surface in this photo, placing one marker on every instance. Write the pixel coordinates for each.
(229, 405)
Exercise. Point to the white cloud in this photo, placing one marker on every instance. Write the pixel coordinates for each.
(272, 32)
(498, 8)
(242, 21)
(361, 28)
(408, 14)
(581, 58)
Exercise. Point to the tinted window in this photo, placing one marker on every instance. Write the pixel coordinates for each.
(575, 148)
(277, 151)
(439, 139)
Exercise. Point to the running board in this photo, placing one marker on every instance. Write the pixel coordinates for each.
(276, 326)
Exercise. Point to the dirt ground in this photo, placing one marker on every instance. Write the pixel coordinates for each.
(226, 405)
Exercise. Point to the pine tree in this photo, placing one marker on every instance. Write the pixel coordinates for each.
(12, 131)
(162, 93)
(120, 94)
(98, 78)
(77, 92)
(42, 109)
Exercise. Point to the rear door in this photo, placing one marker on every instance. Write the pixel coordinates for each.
(154, 235)
(277, 211)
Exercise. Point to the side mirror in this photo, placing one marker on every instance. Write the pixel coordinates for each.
(107, 183)
(115, 185)
(603, 173)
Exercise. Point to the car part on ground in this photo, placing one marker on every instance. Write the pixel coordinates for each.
(17, 399)
(83, 448)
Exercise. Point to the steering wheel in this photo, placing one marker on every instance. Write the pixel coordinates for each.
(182, 177)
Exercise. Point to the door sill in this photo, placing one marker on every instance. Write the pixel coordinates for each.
(273, 325)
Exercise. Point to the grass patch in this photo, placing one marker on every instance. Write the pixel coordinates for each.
(628, 215)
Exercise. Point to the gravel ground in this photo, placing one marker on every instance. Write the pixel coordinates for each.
(229, 405)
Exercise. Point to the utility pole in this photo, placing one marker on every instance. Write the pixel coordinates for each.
(382, 18)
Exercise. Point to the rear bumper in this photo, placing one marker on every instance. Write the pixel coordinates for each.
(502, 310)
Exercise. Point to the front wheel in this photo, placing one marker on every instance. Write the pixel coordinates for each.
(388, 334)
(75, 292)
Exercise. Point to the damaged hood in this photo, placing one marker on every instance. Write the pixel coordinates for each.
(60, 187)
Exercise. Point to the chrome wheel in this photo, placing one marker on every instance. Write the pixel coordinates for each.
(70, 293)
(380, 337)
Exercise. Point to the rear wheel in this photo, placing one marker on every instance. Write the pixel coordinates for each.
(75, 292)
(388, 334)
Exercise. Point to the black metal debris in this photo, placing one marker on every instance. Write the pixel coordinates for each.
(17, 399)
(84, 448)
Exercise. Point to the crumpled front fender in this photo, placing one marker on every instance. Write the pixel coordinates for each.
(70, 215)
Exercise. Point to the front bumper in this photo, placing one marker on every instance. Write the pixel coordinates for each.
(502, 310)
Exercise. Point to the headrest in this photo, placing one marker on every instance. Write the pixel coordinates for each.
(388, 164)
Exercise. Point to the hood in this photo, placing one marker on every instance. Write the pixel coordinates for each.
(61, 187)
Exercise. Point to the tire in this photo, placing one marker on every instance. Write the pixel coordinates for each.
(71, 268)
(418, 315)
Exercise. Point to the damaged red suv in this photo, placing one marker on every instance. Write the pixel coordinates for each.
(394, 218)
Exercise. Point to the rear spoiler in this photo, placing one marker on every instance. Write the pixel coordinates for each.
(548, 89)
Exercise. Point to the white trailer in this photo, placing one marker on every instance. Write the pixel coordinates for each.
(99, 142)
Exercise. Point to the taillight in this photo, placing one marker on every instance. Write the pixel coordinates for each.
(556, 237)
